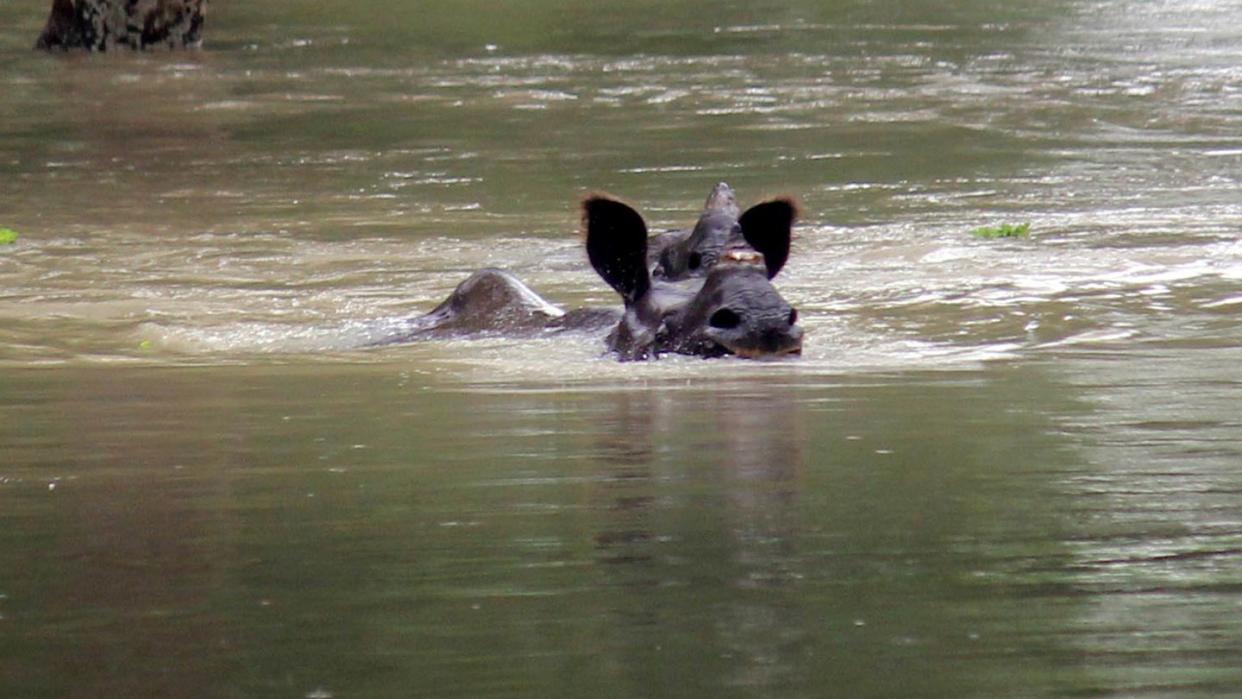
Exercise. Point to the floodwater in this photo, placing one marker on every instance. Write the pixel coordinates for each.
(1000, 468)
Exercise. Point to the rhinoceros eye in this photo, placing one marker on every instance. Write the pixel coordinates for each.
(724, 319)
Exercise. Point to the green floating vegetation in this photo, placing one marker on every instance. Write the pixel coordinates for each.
(1005, 230)
(8, 236)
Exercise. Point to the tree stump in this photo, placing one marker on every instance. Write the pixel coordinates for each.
(103, 25)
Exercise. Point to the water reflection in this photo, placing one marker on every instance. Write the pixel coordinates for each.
(1165, 544)
(954, 534)
(744, 456)
(121, 539)
(998, 468)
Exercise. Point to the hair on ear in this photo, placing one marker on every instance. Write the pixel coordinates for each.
(616, 243)
(768, 228)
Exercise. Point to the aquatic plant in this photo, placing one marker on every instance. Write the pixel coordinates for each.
(7, 236)
(1005, 230)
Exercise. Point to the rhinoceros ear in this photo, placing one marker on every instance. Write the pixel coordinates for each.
(616, 242)
(768, 227)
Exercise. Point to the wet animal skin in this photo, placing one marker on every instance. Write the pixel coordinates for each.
(724, 304)
(731, 309)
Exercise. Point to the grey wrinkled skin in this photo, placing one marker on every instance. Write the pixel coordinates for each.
(493, 301)
(734, 309)
(681, 254)
(764, 228)
(731, 309)
(105, 25)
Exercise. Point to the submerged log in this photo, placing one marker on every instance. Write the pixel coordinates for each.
(103, 25)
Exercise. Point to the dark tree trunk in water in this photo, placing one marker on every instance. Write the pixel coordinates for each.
(102, 25)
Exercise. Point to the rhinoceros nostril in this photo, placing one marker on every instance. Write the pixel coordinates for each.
(695, 261)
(724, 319)
(793, 316)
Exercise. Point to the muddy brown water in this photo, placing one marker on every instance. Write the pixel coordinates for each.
(1000, 468)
